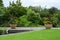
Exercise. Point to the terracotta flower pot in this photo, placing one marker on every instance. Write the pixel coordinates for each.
(13, 26)
(48, 26)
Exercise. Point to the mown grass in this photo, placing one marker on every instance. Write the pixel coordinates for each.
(36, 35)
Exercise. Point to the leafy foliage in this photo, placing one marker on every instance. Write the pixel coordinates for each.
(22, 21)
(1, 3)
(28, 16)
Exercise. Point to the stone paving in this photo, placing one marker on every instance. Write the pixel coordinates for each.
(27, 28)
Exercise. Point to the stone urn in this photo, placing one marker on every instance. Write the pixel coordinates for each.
(48, 26)
(13, 26)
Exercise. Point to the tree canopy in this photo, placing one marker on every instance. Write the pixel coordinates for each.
(28, 16)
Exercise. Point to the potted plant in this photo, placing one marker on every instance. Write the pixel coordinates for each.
(13, 24)
(48, 23)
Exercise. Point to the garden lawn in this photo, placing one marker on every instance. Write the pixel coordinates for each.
(36, 35)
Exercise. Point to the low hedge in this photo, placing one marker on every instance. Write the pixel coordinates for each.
(3, 32)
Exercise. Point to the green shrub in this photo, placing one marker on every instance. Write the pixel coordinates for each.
(3, 32)
(22, 21)
(47, 21)
(58, 25)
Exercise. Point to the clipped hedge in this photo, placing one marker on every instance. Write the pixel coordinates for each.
(2, 32)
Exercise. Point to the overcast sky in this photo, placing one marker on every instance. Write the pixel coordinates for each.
(43, 3)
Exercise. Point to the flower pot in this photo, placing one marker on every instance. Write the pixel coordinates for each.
(13, 26)
(48, 26)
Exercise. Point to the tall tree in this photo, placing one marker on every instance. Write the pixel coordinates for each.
(52, 10)
(37, 9)
(2, 8)
(1, 3)
(15, 10)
